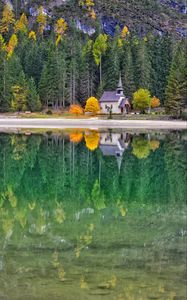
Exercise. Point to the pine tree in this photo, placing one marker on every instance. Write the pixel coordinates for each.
(87, 72)
(33, 100)
(128, 71)
(160, 51)
(111, 65)
(176, 90)
(142, 70)
(52, 86)
(8, 77)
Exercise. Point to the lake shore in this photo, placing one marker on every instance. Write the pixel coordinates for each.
(92, 123)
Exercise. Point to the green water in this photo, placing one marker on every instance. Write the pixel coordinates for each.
(93, 215)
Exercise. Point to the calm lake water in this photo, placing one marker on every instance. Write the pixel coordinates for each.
(93, 215)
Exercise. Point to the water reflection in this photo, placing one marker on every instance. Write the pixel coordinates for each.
(91, 215)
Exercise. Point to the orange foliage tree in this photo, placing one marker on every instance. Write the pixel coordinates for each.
(11, 45)
(76, 136)
(155, 102)
(76, 109)
(154, 145)
(92, 139)
(92, 105)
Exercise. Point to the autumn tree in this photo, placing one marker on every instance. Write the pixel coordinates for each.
(11, 45)
(92, 139)
(92, 105)
(141, 147)
(141, 99)
(60, 29)
(32, 35)
(7, 19)
(41, 20)
(155, 102)
(124, 32)
(21, 25)
(76, 136)
(99, 48)
(76, 109)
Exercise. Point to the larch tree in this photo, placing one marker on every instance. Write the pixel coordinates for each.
(60, 29)
(99, 49)
(7, 19)
(21, 25)
(41, 20)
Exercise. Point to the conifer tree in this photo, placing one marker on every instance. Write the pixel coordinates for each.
(142, 68)
(111, 65)
(128, 71)
(33, 100)
(176, 90)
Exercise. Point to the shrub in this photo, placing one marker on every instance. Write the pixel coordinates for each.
(76, 109)
(49, 112)
(155, 102)
(76, 136)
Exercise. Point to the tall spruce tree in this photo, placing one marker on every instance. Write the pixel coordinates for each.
(33, 100)
(176, 90)
(142, 69)
(111, 65)
(128, 70)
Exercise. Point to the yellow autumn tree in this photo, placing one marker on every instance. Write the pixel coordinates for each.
(93, 15)
(89, 3)
(124, 32)
(7, 19)
(141, 147)
(32, 36)
(86, 3)
(92, 105)
(2, 43)
(60, 29)
(41, 20)
(11, 45)
(22, 24)
(92, 139)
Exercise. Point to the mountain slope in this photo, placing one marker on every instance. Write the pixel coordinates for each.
(160, 16)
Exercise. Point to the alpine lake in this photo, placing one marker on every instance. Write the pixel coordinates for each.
(89, 214)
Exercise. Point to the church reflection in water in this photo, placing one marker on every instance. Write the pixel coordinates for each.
(114, 144)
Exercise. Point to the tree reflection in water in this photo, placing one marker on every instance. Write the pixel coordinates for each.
(78, 222)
